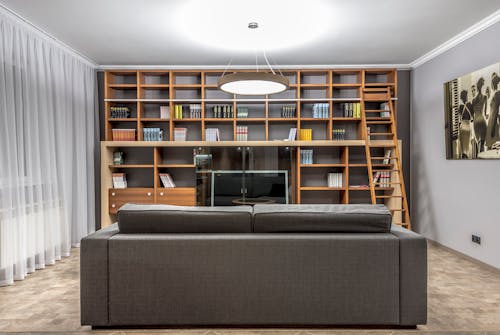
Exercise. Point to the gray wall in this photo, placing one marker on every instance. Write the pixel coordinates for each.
(453, 199)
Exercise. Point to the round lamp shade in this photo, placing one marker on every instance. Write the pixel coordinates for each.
(253, 83)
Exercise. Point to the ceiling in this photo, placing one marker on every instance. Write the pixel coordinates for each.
(197, 32)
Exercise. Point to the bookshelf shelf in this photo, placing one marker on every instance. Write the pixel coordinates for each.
(122, 119)
(187, 120)
(322, 165)
(321, 188)
(176, 166)
(123, 86)
(350, 162)
(346, 119)
(154, 119)
(219, 119)
(131, 166)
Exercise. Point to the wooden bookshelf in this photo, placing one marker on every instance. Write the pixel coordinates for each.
(358, 156)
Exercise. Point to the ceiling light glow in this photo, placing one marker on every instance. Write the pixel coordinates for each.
(223, 24)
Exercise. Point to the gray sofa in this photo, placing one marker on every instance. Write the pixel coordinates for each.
(270, 265)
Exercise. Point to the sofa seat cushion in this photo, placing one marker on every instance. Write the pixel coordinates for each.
(321, 218)
(136, 219)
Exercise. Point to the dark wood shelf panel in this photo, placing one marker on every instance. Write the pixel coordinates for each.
(131, 166)
(321, 188)
(154, 119)
(176, 166)
(340, 165)
(122, 119)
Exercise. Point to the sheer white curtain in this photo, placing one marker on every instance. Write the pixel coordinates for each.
(47, 140)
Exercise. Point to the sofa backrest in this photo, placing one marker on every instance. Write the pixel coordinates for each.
(134, 218)
(321, 218)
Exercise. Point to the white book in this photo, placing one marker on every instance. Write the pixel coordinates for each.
(165, 112)
(293, 134)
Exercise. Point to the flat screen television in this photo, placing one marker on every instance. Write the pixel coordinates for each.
(249, 187)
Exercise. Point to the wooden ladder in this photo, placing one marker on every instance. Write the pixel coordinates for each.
(384, 170)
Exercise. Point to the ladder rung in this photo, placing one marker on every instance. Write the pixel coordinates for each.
(385, 170)
(398, 210)
(375, 110)
(393, 157)
(378, 122)
(388, 196)
(376, 89)
(382, 165)
(377, 188)
(381, 134)
(382, 146)
(392, 183)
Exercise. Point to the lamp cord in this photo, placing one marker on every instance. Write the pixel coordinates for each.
(227, 66)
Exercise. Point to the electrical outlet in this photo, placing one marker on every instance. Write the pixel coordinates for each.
(476, 238)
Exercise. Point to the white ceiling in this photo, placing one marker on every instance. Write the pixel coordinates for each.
(164, 32)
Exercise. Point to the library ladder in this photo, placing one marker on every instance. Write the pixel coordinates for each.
(383, 154)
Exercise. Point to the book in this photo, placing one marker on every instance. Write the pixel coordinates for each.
(195, 111)
(167, 180)
(306, 156)
(292, 135)
(119, 112)
(241, 112)
(180, 134)
(123, 134)
(241, 133)
(335, 179)
(152, 134)
(305, 135)
(119, 180)
(212, 134)
(387, 156)
(165, 112)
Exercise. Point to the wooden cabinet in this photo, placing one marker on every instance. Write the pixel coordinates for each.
(119, 197)
(181, 196)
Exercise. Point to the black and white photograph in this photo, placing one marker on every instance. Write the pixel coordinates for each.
(472, 115)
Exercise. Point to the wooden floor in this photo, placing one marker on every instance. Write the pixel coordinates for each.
(464, 298)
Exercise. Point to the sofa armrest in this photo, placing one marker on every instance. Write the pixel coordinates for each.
(413, 276)
(94, 276)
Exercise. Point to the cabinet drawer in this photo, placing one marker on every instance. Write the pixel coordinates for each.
(119, 197)
(180, 196)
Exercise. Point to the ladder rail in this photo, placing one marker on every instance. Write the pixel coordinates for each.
(397, 187)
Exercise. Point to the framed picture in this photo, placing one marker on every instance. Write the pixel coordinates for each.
(472, 120)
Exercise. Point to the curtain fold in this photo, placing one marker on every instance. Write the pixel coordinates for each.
(47, 142)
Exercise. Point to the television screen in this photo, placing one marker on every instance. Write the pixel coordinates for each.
(249, 187)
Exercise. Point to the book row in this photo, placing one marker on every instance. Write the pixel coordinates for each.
(119, 112)
(152, 134)
(306, 156)
(335, 179)
(193, 111)
(338, 134)
(123, 134)
(321, 110)
(351, 109)
(241, 133)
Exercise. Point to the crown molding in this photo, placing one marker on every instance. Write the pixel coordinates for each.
(25, 23)
(253, 67)
(457, 39)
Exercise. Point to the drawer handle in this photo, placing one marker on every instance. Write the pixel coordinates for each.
(113, 194)
(161, 193)
(149, 194)
(113, 205)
